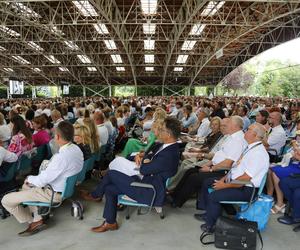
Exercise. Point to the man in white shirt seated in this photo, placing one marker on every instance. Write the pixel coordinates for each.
(252, 166)
(67, 162)
(230, 152)
(204, 128)
(242, 112)
(276, 136)
(102, 130)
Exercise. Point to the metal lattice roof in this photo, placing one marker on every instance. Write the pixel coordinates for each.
(138, 42)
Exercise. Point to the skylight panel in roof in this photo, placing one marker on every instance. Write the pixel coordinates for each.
(2, 48)
(182, 58)
(24, 10)
(72, 45)
(85, 8)
(37, 70)
(212, 8)
(149, 44)
(8, 70)
(9, 31)
(56, 31)
(188, 45)
(120, 68)
(110, 44)
(149, 68)
(197, 29)
(64, 69)
(20, 60)
(149, 58)
(52, 59)
(91, 68)
(34, 46)
(116, 58)
(84, 59)
(149, 28)
(101, 28)
(149, 7)
(178, 69)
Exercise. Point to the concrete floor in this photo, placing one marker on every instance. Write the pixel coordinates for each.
(179, 230)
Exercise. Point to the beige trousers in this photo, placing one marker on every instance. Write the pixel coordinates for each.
(183, 167)
(12, 202)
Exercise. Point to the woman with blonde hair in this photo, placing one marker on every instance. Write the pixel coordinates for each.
(90, 124)
(82, 138)
(159, 114)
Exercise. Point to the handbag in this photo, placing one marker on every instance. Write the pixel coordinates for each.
(233, 234)
(258, 211)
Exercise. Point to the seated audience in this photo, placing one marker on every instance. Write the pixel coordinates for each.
(5, 131)
(102, 130)
(155, 167)
(82, 138)
(252, 166)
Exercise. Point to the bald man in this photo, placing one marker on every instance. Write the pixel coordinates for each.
(276, 136)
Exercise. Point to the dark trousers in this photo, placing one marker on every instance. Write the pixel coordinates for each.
(211, 201)
(191, 183)
(113, 184)
(291, 189)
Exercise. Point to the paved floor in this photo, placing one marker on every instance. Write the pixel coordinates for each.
(179, 230)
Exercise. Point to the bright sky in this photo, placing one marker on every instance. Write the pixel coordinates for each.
(289, 51)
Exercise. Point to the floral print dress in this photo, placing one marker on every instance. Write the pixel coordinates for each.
(19, 144)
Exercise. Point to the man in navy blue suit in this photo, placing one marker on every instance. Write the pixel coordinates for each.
(156, 167)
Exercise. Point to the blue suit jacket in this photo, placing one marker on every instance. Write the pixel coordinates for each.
(162, 166)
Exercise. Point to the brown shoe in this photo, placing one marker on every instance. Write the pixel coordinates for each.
(105, 227)
(33, 228)
(88, 197)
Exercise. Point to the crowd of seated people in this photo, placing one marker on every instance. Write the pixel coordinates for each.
(196, 142)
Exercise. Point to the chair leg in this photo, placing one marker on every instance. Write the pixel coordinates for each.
(139, 211)
(297, 228)
(127, 213)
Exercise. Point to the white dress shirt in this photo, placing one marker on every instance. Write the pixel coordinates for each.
(109, 127)
(67, 162)
(276, 139)
(231, 149)
(103, 134)
(7, 156)
(254, 162)
(204, 128)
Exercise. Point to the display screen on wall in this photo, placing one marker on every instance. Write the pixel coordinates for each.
(16, 87)
(66, 89)
(46, 91)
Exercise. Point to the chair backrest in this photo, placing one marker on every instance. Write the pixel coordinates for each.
(262, 184)
(11, 171)
(24, 163)
(81, 174)
(69, 186)
(41, 153)
(49, 152)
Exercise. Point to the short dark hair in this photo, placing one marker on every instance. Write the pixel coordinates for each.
(264, 113)
(174, 126)
(66, 130)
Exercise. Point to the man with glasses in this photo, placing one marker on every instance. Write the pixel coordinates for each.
(155, 167)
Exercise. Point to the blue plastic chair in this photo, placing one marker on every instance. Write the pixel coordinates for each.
(122, 200)
(11, 172)
(87, 166)
(67, 193)
(261, 187)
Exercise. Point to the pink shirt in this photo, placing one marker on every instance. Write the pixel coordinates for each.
(41, 137)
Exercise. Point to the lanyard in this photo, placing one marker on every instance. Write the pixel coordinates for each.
(228, 177)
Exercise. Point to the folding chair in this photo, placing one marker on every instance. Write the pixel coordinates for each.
(67, 193)
(11, 172)
(87, 166)
(126, 201)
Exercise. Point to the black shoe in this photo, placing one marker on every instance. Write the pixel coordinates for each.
(200, 217)
(288, 220)
(205, 228)
(121, 208)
